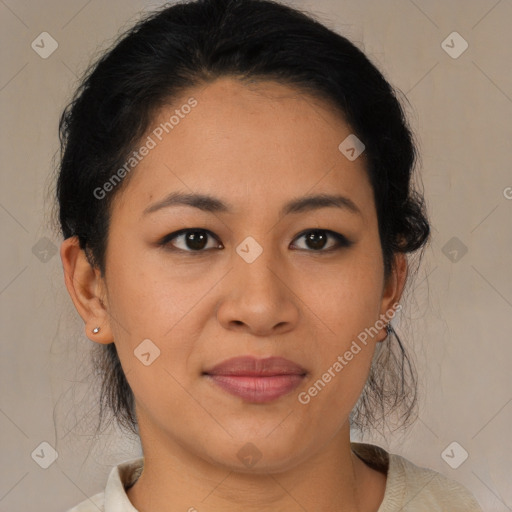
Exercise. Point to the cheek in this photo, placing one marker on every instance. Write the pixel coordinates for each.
(147, 294)
(346, 305)
(149, 300)
(347, 298)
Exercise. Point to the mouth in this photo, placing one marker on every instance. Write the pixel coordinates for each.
(256, 380)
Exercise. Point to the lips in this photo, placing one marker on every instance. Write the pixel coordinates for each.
(254, 367)
(257, 380)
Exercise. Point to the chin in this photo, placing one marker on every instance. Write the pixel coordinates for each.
(257, 456)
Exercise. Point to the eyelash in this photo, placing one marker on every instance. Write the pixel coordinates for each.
(342, 241)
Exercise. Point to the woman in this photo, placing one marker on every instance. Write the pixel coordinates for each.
(236, 202)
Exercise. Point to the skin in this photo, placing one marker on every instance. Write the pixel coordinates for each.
(264, 144)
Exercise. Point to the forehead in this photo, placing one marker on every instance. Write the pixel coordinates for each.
(252, 143)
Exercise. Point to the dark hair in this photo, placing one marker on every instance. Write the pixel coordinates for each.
(193, 43)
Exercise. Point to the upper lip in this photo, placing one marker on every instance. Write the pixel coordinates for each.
(256, 367)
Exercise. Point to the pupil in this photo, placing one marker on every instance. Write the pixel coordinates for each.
(316, 239)
(196, 240)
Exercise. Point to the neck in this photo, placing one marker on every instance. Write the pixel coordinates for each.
(332, 479)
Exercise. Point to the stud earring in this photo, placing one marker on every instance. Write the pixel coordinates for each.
(96, 330)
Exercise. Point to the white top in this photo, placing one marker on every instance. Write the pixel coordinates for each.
(409, 488)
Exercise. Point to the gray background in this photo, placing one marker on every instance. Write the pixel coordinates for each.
(457, 313)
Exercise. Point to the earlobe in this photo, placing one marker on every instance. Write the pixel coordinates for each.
(393, 289)
(86, 288)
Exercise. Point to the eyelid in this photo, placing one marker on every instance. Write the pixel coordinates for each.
(166, 240)
(342, 240)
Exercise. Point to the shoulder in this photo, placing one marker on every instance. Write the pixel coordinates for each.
(412, 488)
(422, 489)
(114, 496)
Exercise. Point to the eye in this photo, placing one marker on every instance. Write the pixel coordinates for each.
(196, 240)
(317, 239)
(193, 240)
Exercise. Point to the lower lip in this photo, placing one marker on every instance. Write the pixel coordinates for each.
(257, 389)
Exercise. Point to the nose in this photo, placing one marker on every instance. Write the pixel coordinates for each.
(258, 297)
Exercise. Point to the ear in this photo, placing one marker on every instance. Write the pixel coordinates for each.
(392, 291)
(87, 290)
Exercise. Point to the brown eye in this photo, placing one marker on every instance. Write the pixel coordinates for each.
(191, 240)
(317, 239)
(196, 240)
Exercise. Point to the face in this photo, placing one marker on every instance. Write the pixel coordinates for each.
(250, 277)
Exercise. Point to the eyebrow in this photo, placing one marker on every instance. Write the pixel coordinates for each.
(208, 203)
